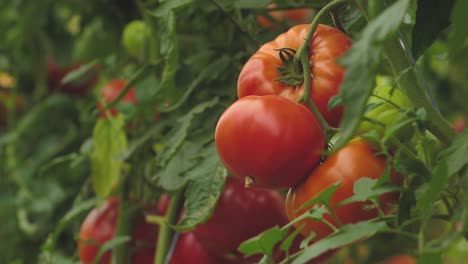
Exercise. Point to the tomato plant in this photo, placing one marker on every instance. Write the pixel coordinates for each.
(261, 76)
(112, 89)
(355, 161)
(99, 227)
(271, 140)
(240, 214)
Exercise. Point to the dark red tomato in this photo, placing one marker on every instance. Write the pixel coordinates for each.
(111, 90)
(297, 16)
(258, 77)
(400, 259)
(240, 214)
(349, 164)
(55, 74)
(99, 227)
(269, 139)
(188, 250)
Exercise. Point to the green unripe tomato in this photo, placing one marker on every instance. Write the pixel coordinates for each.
(383, 111)
(136, 39)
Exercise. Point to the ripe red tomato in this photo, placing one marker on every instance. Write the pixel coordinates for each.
(349, 164)
(55, 74)
(240, 214)
(99, 227)
(111, 90)
(297, 16)
(189, 250)
(258, 77)
(270, 139)
(459, 124)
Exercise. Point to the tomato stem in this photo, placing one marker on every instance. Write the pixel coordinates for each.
(125, 221)
(165, 230)
(411, 85)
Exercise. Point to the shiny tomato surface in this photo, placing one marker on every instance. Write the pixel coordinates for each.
(271, 140)
(259, 74)
(349, 164)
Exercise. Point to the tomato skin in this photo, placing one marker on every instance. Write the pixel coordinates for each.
(188, 249)
(134, 36)
(111, 90)
(459, 124)
(327, 44)
(55, 74)
(349, 164)
(240, 214)
(99, 227)
(297, 16)
(274, 141)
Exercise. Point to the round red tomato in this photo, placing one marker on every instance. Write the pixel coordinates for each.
(349, 164)
(55, 75)
(258, 77)
(273, 141)
(189, 250)
(111, 90)
(297, 16)
(240, 214)
(99, 227)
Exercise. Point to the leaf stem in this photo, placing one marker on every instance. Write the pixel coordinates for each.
(165, 230)
(411, 85)
(125, 220)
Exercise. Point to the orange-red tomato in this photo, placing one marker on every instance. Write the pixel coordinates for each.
(111, 90)
(349, 164)
(99, 227)
(189, 250)
(270, 139)
(297, 16)
(259, 74)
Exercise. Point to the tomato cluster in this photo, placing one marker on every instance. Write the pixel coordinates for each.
(267, 139)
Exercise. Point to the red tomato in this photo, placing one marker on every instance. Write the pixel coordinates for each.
(273, 141)
(351, 163)
(99, 227)
(240, 214)
(55, 74)
(459, 124)
(400, 259)
(111, 90)
(189, 250)
(258, 77)
(297, 16)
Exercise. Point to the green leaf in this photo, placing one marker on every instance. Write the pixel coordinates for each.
(264, 243)
(432, 16)
(203, 190)
(168, 6)
(347, 235)
(428, 194)
(456, 155)
(108, 246)
(430, 257)
(362, 62)
(109, 142)
(83, 73)
(366, 189)
(459, 33)
(251, 3)
(170, 50)
(181, 131)
(324, 197)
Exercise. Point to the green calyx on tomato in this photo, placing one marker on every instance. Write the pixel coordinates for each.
(353, 162)
(269, 140)
(387, 107)
(136, 39)
(260, 74)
